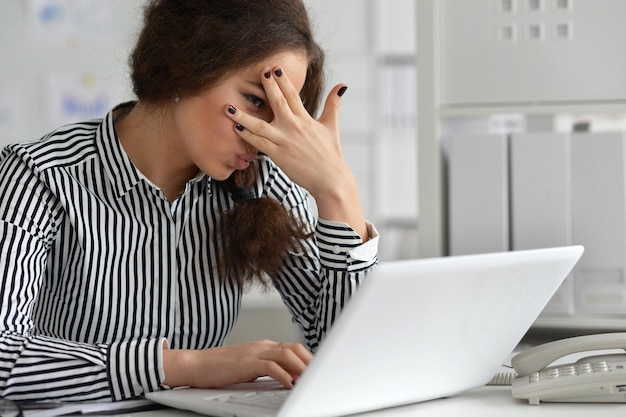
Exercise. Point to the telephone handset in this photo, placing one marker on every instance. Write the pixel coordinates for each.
(598, 378)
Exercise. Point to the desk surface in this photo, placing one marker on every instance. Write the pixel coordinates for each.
(491, 401)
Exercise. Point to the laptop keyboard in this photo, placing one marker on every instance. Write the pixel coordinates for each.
(272, 399)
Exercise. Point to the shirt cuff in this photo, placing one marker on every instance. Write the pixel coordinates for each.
(368, 250)
(342, 248)
(135, 367)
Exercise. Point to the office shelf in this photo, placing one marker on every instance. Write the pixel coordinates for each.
(608, 323)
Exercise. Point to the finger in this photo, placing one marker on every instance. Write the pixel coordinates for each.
(277, 372)
(330, 113)
(281, 93)
(258, 142)
(288, 359)
(255, 131)
(284, 356)
(299, 350)
(244, 121)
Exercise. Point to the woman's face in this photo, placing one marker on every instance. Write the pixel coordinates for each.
(208, 136)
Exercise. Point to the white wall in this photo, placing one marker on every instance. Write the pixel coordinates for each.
(61, 61)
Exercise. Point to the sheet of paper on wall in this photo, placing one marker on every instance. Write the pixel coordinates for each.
(76, 97)
(69, 22)
(12, 116)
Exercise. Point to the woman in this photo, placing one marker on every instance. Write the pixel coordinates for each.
(127, 241)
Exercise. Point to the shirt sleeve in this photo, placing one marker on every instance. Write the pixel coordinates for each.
(316, 283)
(135, 367)
(36, 367)
(317, 280)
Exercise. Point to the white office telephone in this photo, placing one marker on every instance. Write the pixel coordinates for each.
(597, 378)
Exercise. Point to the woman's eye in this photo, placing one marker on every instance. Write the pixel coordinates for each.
(256, 102)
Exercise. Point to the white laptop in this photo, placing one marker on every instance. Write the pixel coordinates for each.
(415, 330)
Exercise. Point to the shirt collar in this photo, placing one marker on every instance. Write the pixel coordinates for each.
(122, 173)
(117, 165)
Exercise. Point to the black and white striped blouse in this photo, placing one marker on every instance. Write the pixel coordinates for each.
(97, 268)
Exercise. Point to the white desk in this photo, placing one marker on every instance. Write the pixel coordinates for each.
(483, 402)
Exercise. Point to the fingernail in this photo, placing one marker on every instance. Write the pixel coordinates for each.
(267, 74)
(232, 109)
(239, 127)
(341, 91)
(278, 72)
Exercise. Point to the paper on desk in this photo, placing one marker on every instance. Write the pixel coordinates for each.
(93, 408)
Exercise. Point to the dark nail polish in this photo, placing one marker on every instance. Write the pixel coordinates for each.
(278, 72)
(341, 91)
(239, 127)
(232, 109)
(267, 74)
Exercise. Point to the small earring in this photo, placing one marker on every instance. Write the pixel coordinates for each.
(177, 99)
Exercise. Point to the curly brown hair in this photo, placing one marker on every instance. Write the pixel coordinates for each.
(185, 48)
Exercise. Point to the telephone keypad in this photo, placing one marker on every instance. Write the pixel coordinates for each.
(569, 370)
(596, 376)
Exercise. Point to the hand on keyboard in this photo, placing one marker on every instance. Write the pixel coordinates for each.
(226, 365)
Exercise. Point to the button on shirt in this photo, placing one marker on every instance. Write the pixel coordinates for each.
(98, 268)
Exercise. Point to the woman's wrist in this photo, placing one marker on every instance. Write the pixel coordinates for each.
(177, 367)
(343, 204)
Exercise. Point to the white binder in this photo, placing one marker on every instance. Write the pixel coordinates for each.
(541, 200)
(478, 194)
(599, 220)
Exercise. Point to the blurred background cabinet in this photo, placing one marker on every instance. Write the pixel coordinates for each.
(519, 102)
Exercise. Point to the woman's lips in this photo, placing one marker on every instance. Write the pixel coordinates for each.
(243, 161)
